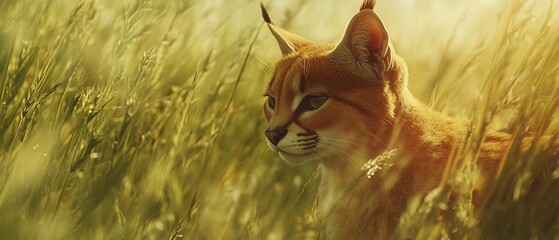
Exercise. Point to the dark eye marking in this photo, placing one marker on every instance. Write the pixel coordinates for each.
(271, 102)
(312, 102)
(309, 103)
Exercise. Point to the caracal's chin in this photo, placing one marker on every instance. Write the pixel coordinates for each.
(298, 159)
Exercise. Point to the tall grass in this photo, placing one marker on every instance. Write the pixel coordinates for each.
(142, 119)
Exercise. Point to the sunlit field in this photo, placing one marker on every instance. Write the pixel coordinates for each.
(143, 119)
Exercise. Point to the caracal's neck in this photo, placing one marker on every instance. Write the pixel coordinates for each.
(414, 128)
(346, 167)
(338, 176)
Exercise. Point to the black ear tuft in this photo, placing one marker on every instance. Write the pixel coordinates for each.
(368, 4)
(265, 14)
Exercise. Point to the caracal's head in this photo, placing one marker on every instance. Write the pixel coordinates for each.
(327, 102)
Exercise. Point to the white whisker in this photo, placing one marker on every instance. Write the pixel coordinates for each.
(339, 140)
(372, 135)
(339, 152)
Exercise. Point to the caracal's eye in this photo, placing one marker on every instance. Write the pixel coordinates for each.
(314, 102)
(271, 102)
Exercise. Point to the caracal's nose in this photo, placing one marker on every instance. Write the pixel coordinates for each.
(275, 135)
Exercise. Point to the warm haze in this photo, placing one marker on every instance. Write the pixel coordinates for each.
(143, 119)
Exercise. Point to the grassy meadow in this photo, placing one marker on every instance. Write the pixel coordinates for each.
(142, 119)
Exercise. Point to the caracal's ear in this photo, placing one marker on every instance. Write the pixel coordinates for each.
(288, 42)
(365, 46)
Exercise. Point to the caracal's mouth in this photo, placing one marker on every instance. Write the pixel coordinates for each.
(297, 159)
(294, 158)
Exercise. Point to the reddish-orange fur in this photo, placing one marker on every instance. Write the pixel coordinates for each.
(369, 116)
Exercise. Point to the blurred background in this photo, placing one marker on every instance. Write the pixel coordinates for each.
(142, 119)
